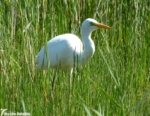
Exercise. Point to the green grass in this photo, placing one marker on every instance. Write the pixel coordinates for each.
(115, 82)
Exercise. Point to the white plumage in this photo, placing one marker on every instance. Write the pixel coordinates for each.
(61, 51)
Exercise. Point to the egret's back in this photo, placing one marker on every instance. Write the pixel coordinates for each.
(59, 51)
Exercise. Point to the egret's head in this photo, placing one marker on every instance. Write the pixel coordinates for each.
(91, 25)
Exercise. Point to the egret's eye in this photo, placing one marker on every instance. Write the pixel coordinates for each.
(92, 24)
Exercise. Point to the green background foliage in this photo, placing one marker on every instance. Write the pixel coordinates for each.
(115, 82)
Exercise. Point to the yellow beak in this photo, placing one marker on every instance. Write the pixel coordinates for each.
(102, 25)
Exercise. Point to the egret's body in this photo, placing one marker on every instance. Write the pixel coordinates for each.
(61, 52)
(66, 50)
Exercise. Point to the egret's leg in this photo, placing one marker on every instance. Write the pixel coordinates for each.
(70, 85)
(53, 83)
(53, 79)
(70, 78)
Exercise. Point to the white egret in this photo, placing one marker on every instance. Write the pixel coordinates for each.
(66, 50)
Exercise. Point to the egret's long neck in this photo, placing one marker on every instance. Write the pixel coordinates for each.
(89, 47)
